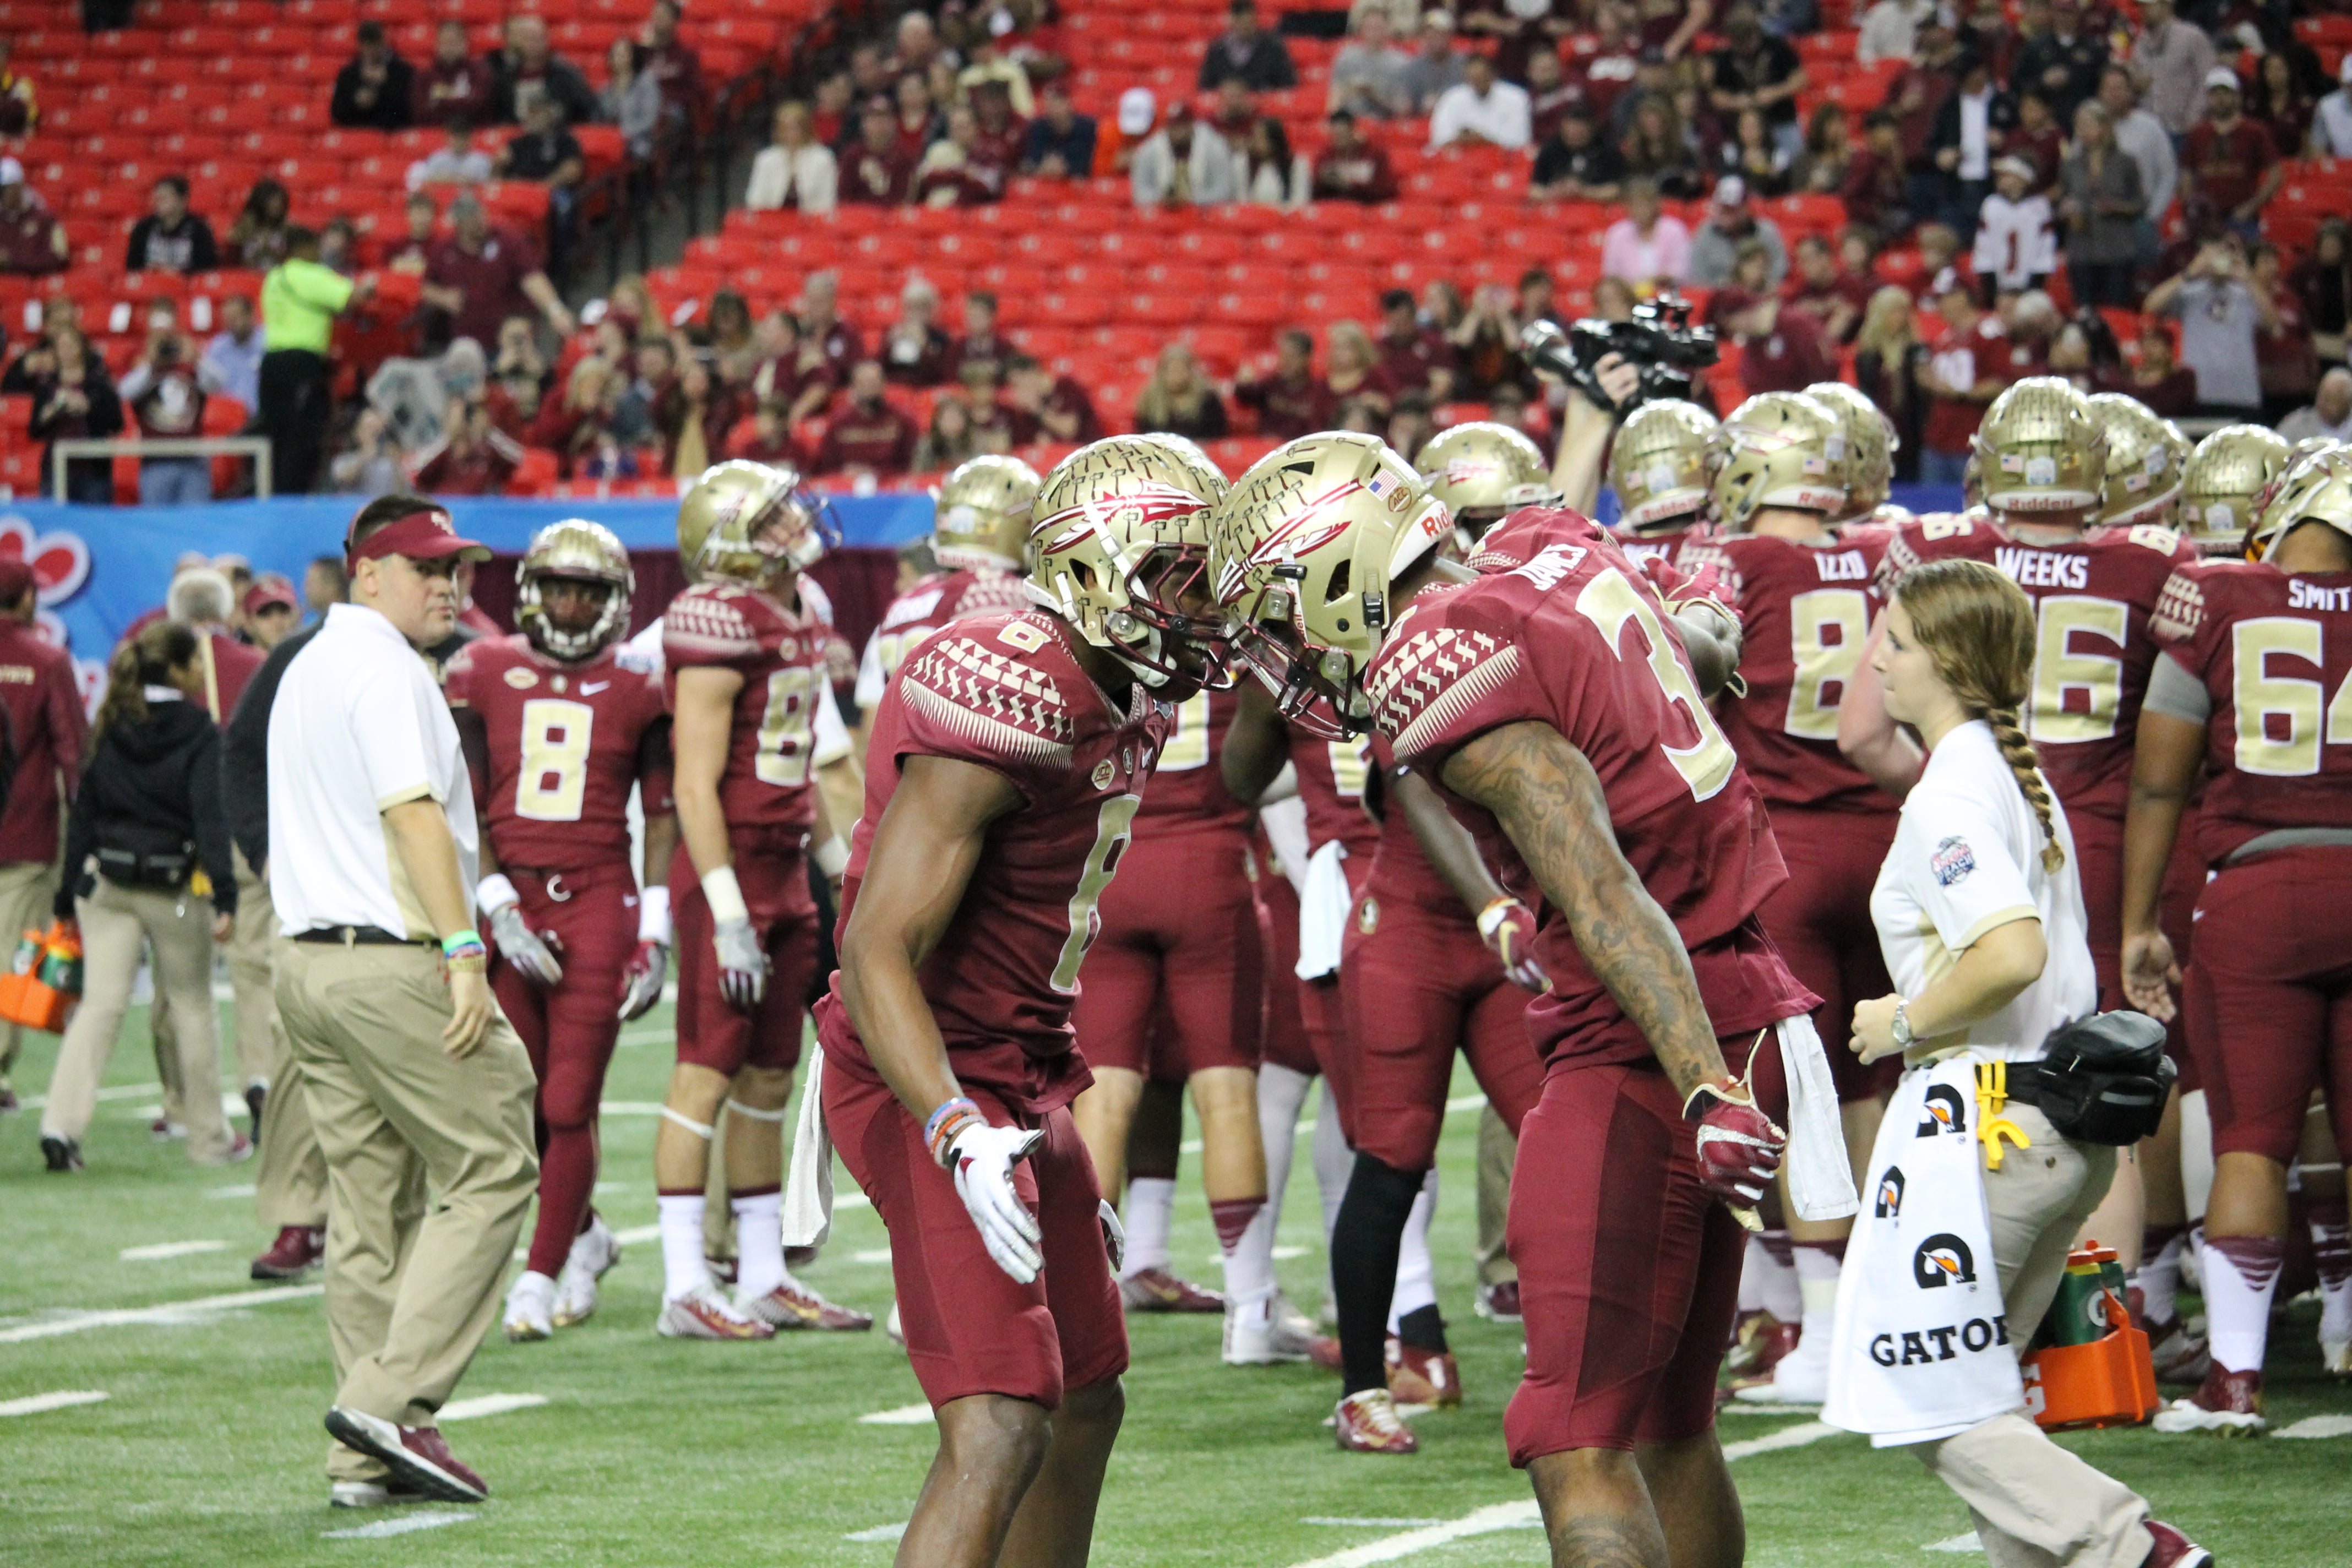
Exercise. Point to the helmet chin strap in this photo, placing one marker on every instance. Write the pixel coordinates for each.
(1132, 653)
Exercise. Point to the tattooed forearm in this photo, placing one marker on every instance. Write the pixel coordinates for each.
(1547, 799)
(1590, 1541)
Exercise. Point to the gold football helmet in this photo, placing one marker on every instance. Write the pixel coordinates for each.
(746, 521)
(1871, 443)
(1119, 548)
(1972, 484)
(983, 523)
(2144, 454)
(2043, 449)
(587, 552)
(2219, 482)
(1660, 466)
(2316, 489)
(1482, 470)
(1780, 449)
(1303, 552)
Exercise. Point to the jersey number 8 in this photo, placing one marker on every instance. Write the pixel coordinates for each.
(553, 781)
(786, 726)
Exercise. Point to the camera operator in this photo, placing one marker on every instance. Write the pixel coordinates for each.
(164, 394)
(1610, 368)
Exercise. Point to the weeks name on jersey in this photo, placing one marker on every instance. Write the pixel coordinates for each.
(2030, 568)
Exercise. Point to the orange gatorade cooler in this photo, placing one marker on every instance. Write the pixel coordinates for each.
(2089, 1366)
(44, 980)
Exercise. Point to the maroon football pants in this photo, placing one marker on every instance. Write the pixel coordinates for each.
(1179, 944)
(1820, 919)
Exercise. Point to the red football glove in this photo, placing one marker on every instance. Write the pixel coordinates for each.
(1507, 926)
(641, 981)
(1739, 1148)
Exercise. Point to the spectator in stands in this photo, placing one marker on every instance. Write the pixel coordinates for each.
(2071, 358)
(1487, 341)
(1889, 363)
(1750, 266)
(979, 344)
(1442, 307)
(1755, 155)
(1816, 284)
(171, 238)
(975, 388)
(1482, 110)
(2060, 56)
(1284, 394)
(1437, 66)
(1235, 111)
(1266, 172)
(1753, 69)
(1821, 167)
(370, 464)
(38, 357)
(2173, 58)
(1890, 30)
(2016, 243)
(2331, 126)
(375, 90)
(32, 240)
(481, 275)
(869, 436)
(675, 68)
(960, 169)
(2329, 414)
(1915, 98)
(1045, 407)
(1060, 143)
(293, 400)
(793, 170)
(992, 69)
(1350, 168)
(164, 393)
(473, 458)
(914, 347)
(1182, 163)
(1351, 366)
(233, 358)
(877, 169)
(631, 101)
(1876, 191)
(453, 85)
(693, 416)
(456, 162)
(1647, 248)
(2157, 380)
(2283, 347)
(19, 110)
(518, 376)
(650, 370)
(1413, 358)
(1411, 424)
(2142, 137)
(919, 45)
(923, 120)
(1966, 372)
(1247, 51)
(2227, 160)
(1178, 399)
(770, 439)
(2219, 313)
(75, 400)
(999, 131)
(1369, 73)
(2323, 281)
(547, 153)
(1575, 166)
(2100, 204)
(1606, 62)
(1729, 220)
(2038, 139)
(1970, 130)
(1550, 95)
(526, 70)
(575, 423)
(950, 440)
(1654, 148)
(1784, 350)
(2280, 106)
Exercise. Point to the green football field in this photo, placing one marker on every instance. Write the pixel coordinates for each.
(196, 1440)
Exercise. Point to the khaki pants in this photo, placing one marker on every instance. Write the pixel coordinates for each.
(27, 889)
(2035, 1503)
(412, 1283)
(290, 1172)
(249, 979)
(1498, 1151)
(117, 923)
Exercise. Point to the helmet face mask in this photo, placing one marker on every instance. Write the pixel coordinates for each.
(1661, 467)
(574, 553)
(2222, 484)
(2043, 451)
(753, 522)
(984, 515)
(1780, 451)
(2317, 488)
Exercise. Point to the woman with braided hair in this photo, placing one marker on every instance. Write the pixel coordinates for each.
(1979, 914)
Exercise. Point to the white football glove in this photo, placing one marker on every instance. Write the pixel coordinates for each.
(983, 1158)
(527, 950)
(742, 963)
(641, 981)
(1114, 1236)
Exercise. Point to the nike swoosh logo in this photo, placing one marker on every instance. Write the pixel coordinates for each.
(591, 688)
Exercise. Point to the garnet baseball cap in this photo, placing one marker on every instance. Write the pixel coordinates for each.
(16, 576)
(424, 534)
(268, 591)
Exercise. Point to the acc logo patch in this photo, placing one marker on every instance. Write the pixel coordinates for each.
(2041, 471)
(1943, 1259)
(1368, 916)
(1890, 1194)
(1952, 861)
(1104, 774)
(522, 679)
(1946, 1112)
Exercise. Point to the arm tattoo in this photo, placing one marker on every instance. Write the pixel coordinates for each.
(1591, 1541)
(1547, 799)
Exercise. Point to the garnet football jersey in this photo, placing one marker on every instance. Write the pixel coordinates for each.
(1571, 642)
(1006, 692)
(1805, 617)
(566, 743)
(930, 604)
(1331, 787)
(1188, 791)
(780, 653)
(2275, 654)
(2093, 651)
(1402, 873)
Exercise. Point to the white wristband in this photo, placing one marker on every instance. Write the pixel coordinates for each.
(833, 856)
(653, 915)
(725, 895)
(495, 893)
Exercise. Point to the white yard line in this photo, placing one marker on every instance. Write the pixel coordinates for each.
(405, 1524)
(483, 1404)
(879, 1532)
(2319, 1426)
(871, 1254)
(116, 1092)
(64, 1399)
(167, 1313)
(163, 1249)
(1968, 1542)
(905, 1416)
(637, 1233)
(235, 1190)
(1375, 1523)
(1524, 1514)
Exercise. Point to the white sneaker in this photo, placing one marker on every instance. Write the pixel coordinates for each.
(2337, 1354)
(890, 1326)
(706, 1313)
(594, 1253)
(531, 1306)
(1266, 1335)
(1801, 1377)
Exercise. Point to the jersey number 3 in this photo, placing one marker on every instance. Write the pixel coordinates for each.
(1609, 601)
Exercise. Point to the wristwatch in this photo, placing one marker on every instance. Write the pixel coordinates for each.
(1902, 1024)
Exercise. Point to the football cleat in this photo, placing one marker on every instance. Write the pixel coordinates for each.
(1322, 1349)
(2178, 1355)
(1157, 1290)
(1418, 1376)
(1500, 1303)
(8, 1101)
(417, 1457)
(2167, 1548)
(298, 1249)
(371, 1494)
(594, 1253)
(163, 1130)
(530, 1309)
(897, 1335)
(1277, 1336)
(702, 1313)
(793, 1305)
(2230, 1403)
(1368, 1423)
(62, 1154)
(240, 1149)
(2335, 1356)
(1798, 1376)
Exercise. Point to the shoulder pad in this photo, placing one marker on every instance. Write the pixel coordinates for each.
(710, 622)
(1432, 672)
(2180, 609)
(986, 686)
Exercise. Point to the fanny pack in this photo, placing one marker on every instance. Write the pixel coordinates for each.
(168, 869)
(2102, 1080)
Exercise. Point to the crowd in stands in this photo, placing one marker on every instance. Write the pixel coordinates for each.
(1931, 200)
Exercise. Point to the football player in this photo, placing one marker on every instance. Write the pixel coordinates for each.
(1010, 756)
(558, 729)
(1519, 693)
(2224, 474)
(1658, 467)
(747, 676)
(1871, 443)
(2256, 652)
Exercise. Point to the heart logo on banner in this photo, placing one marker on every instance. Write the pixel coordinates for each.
(60, 560)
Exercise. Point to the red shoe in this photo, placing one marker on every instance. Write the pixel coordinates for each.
(2171, 1548)
(1500, 1303)
(1418, 1376)
(793, 1305)
(2230, 1403)
(298, 1249)
(1158, 1290)
(414, 1455)
(1764, 1342)
(1368, 1423)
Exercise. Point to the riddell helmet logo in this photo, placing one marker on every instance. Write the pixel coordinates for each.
(1890, 1194)
(1947, 1113)
(1943, 1259)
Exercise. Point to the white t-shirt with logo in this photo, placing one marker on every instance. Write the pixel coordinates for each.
(1967, 859)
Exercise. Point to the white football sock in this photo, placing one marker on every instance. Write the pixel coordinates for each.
(1281, 1095)
(1817, 1270)
(1150, 1211)
(1249, 1266)
(2159, 1278)
(681, 1240)
(1416, 1279)
(759, 1244)
(2238, 1310)
(1333, 1161)
(1775, 1280)
(1752, 1264)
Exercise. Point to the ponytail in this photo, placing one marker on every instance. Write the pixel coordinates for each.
(147, 660)
(2026, 763)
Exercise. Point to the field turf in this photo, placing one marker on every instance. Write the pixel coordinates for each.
(206, 1450)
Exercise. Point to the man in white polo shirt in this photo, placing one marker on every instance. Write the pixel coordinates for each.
(415, 1079)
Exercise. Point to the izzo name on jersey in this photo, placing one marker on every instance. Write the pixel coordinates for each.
(1842, 566)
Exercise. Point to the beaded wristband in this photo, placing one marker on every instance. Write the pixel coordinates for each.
(944, 1123)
